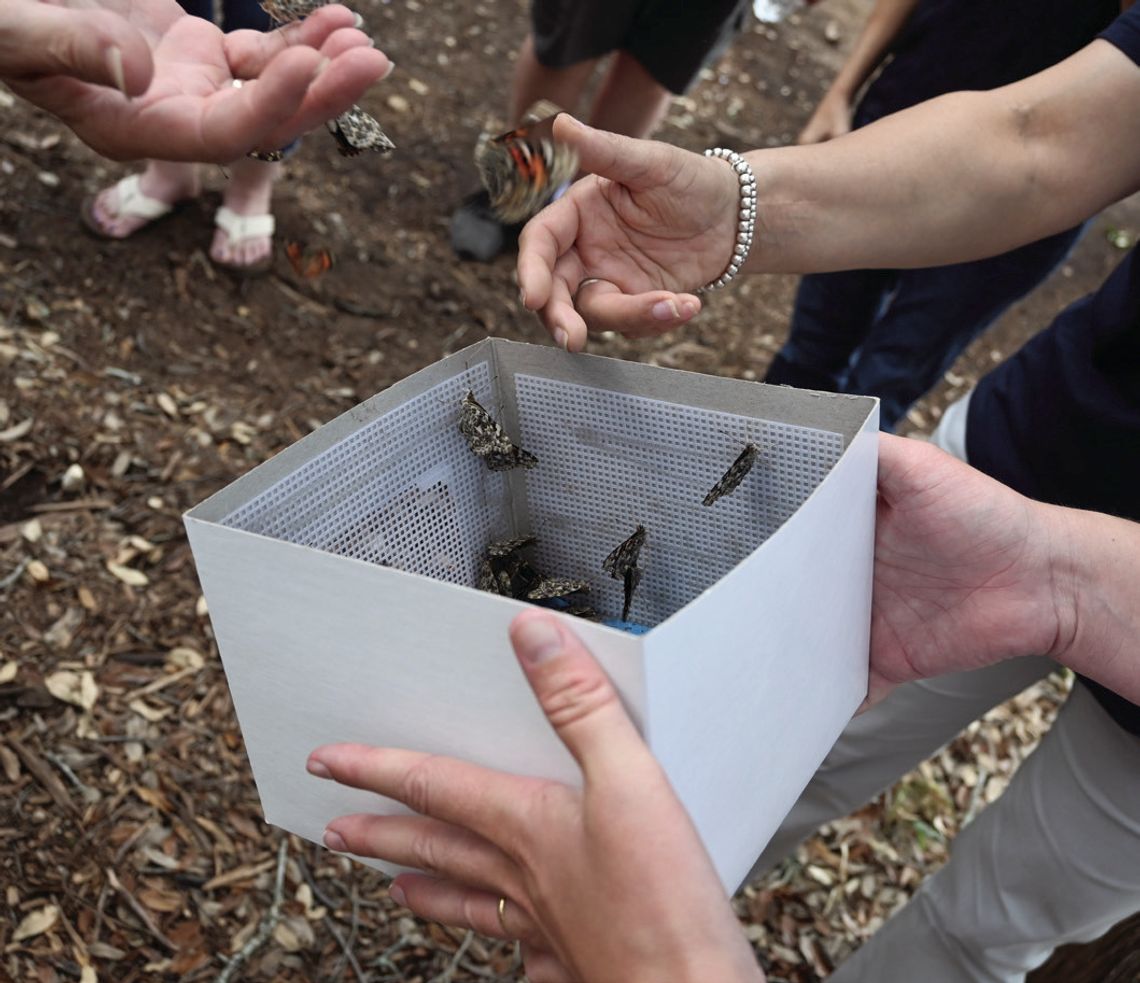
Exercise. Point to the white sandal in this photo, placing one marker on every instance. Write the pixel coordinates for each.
(130, 203)
(238, 228)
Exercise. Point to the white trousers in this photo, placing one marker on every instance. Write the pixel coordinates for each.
(1055, 859)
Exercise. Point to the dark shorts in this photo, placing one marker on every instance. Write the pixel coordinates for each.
(672, 39)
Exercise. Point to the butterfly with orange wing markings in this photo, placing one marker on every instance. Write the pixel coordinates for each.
(523, 167)
(308, 263)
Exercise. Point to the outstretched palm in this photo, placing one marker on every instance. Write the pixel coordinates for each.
(962, 577)
(188, 109)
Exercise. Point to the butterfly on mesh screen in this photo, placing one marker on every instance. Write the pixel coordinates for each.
(621, 564)
(488, 440)
(550, 587)
(505, 547)
(355, 131)
(736, 473)
(523, 167)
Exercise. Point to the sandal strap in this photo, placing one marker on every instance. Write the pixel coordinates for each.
(241, 227)
(132, 203)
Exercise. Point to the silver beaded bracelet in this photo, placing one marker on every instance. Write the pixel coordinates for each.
(745, 220)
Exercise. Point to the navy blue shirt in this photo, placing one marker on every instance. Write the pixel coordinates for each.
(951, 45)
(1060, 420)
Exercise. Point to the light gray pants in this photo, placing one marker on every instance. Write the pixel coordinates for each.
(1055, 859)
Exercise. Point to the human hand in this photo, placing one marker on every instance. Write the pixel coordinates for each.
(963, 569)
(141, 78)
(831, 119)
(606, 883)
(625, 247)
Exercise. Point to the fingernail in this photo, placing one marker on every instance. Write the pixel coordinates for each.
(115, 67)
(388, 71)
(561, 339)
(396, 893)
(334, 841)
(357, 20)
(318, 769)
(666, 310)
(537, 640)
(321, 66)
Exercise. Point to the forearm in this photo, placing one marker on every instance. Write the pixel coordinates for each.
(1095, 577)
(960, 177)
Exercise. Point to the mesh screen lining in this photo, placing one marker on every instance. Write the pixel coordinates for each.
(403, 491)
(406, 491)
(610, 461)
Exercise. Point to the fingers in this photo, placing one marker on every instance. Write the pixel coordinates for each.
(604, 307)
(456, 792)
(91, 45)
(454, 904)
(577, 696)
(543, 244)
(249, 52)
(340, 83)
(638, 164)
(427, 844)
(542, 966)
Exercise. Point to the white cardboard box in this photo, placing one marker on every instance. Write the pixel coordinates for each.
(338, 577)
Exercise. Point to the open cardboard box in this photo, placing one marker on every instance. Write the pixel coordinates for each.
(340, 580)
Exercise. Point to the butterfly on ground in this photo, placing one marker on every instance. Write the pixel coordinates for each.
(308, 263)
(736, 473)
(523, 167)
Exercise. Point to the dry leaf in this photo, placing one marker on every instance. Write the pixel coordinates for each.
(8, 672)
(147, 712)
(87, 974)
(38, 922)
(38, 572)
(128, 575)
(184, 657)
(76, 688)
(21, 429)
(167, 405)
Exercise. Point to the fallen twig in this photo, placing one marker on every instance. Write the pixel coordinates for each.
(268, 923)
(140, 912)
(445, 976)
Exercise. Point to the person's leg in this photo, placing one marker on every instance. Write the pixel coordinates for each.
(892, 737)
(933, 314)
(832, 315)
(125, 207)
(248, 195)
(534, 81)
(629, 99)
(1055, 859)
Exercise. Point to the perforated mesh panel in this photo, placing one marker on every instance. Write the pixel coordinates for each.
(611, 461)
(404, 491)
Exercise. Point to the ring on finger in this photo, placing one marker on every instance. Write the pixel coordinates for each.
(582, 285)
(503, 917)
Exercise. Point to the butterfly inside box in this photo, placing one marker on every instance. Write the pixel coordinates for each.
(308, 262)
(522, 168)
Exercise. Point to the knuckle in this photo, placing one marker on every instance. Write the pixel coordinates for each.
(416, 786)
(575, 695)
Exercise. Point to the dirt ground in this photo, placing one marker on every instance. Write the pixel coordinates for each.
(131, 843)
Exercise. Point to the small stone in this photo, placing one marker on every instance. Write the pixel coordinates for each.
(73, 479)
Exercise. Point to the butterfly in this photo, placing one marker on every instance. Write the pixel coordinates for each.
(523, 167)
(550, 587)
(736, 473)
(355, 131)
(621, 564)
(488, 440)
(308, 263)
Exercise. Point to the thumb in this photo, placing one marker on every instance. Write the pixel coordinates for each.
(95, 46)
(637, 164)
(575, 694)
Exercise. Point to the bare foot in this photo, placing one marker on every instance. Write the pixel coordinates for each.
(249, 193)
(164, 182)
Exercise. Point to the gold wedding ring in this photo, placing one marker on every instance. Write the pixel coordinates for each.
(503, 916)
